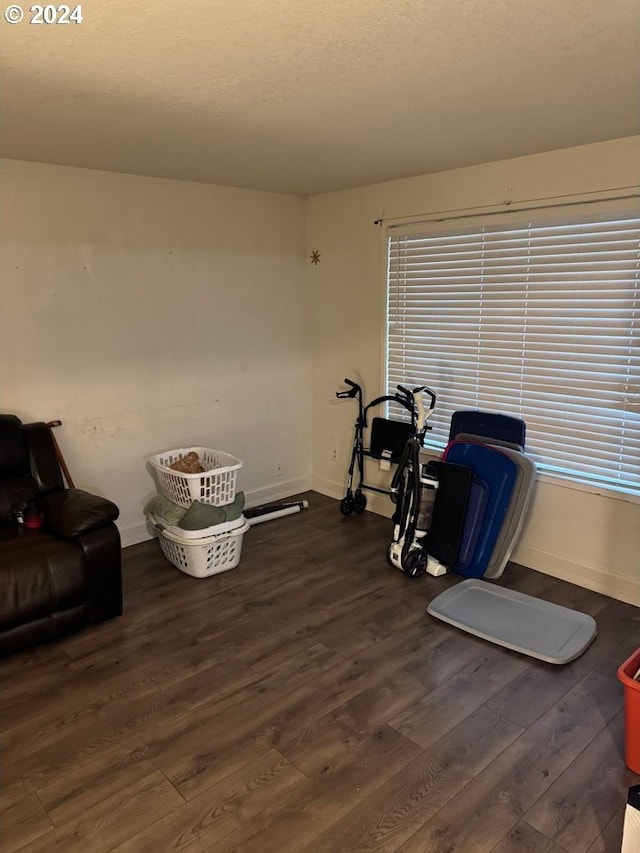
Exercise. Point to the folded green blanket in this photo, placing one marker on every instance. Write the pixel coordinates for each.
(200, 515)
(164, 509)
(234, 510)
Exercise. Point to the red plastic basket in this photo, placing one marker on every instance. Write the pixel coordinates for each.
(631, 710)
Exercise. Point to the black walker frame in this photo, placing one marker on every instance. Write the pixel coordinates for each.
(383, 431)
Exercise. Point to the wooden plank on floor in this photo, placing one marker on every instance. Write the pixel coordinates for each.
(21, 822)
(220, 809)
(113, 820)
(288, 826)
(610, 839)
(576, 597)
(310, 743)
(185, 724)
(356, 630)
(44, 720)
(497, 799)
(67, 800)
(525, 839)
(575, 810)
(428, 660)
(475, 681)
(90, 741)
(535, 690)
(219, 629)
(543, 684)
(189, 765)
(25, 681)
(238, 668)
(390, 815)
(315, 747)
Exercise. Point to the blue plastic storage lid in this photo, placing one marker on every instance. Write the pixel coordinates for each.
(490, 425)
(500, 473)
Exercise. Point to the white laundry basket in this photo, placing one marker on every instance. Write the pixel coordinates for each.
(202, 558)
(201, 533)
(217, 485)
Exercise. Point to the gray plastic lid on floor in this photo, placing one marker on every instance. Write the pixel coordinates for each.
(516, 621)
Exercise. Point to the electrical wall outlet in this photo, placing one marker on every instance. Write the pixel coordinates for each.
(278, 467)
(334, 454)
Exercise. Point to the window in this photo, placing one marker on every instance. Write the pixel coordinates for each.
(531, 314)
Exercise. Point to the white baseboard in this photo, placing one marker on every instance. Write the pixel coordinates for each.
(596, 578)
(132, 534)
(327, 487)
(380, 504)
(278, 491)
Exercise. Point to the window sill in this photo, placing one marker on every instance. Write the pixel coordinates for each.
(591, 488)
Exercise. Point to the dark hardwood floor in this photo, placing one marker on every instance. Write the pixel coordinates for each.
(305, 703)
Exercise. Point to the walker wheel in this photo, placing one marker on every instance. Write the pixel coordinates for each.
(415, 565)
(347, 505)
(359, 502)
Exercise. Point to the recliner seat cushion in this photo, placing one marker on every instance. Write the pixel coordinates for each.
(39, 578)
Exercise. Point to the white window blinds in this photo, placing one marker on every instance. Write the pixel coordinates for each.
(538, 319)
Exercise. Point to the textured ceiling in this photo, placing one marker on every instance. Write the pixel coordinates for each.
(306, 97)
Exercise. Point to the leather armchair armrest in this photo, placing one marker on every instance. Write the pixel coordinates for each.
(71, 512)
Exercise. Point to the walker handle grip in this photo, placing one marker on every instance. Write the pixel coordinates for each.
(352, 392)
(432, 397)
(422, 389)
(399, 398)
(421, 419)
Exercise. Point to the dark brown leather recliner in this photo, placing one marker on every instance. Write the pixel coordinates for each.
(66, 575)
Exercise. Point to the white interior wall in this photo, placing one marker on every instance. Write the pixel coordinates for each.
(148, 314)
(587, 538)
